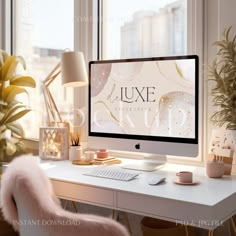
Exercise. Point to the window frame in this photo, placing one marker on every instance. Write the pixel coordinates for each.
(6, 27)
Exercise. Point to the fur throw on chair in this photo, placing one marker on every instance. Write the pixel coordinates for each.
(25, 169)
(27, 195)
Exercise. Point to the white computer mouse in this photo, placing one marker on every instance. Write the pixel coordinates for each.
(154, 180)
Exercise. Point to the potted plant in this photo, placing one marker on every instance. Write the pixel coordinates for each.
(223, 73)
(11, 110)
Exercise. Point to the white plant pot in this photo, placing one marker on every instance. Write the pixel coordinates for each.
(75, 153)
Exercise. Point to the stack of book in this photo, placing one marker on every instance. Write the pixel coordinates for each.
(106, 161)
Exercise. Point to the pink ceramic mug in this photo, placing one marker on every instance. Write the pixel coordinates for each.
(215, 169)
(185, 176)
(102, 153)
(89, 155)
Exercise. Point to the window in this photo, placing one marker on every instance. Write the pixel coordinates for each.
(152, 28)
(42, 31)
(138, 28)
(134, 28)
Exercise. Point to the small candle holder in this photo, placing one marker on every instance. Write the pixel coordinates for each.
(54, 143)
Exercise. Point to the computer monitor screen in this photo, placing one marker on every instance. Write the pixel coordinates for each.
(148, 105)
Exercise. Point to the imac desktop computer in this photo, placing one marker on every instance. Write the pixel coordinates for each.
(145, 105)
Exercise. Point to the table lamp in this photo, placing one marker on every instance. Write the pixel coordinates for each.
(73, 70)
(54, 139)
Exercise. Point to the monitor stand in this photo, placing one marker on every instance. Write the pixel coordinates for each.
(148, 164)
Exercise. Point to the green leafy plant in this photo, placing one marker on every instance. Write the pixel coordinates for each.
(11, 110)
(223, 73)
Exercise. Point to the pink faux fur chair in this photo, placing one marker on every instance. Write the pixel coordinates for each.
(29, 204)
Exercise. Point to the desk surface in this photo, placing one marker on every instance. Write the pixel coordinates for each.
(205, 205)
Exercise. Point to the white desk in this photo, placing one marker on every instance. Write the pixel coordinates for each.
(205, 205)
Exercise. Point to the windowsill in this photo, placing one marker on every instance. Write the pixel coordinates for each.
(32, 146)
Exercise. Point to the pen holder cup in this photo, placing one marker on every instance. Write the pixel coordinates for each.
(215, 169)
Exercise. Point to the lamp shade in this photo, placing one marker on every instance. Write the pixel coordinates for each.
(73, 69)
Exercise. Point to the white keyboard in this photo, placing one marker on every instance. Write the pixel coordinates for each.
(112, 173)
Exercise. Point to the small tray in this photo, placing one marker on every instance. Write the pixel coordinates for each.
(82, 162)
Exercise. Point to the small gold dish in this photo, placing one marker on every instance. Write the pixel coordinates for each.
(82, 162)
